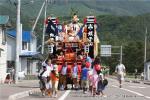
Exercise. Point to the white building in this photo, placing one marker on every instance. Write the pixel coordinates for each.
(3, 47)
(28, 55)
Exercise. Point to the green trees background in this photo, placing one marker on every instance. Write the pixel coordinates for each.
(129, 32)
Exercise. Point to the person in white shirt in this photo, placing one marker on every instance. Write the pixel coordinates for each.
(64, 69)
(49, 65)
(120, 70)
(44, 78)
(75, 75)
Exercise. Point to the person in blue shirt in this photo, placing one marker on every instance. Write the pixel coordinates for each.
(84, 78)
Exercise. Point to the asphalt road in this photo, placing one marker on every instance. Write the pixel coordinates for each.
(130, 91)
(7, 90)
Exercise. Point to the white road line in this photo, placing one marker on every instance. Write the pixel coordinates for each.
(115, 86)
(139, 94)
(64, 95)
(140, 87)
(147, 97)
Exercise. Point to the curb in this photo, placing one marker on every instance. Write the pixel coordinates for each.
(133, 81)
(146, 83)
(23, 94)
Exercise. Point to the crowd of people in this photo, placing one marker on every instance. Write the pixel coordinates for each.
(89, 77)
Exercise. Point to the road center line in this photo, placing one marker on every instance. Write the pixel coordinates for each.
(64, 95)
(139, 94)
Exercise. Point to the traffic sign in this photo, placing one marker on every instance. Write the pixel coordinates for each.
(106, 50)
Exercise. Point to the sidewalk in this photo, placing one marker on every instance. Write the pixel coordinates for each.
(133, 80)
(6, 90)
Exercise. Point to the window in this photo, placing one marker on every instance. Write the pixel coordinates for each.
(24, 45)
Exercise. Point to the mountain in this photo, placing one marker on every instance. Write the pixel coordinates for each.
(31, 8)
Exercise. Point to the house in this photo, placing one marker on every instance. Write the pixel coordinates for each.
(29, 56)
(4, 24)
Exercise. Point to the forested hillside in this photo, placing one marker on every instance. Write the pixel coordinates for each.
(30, 8)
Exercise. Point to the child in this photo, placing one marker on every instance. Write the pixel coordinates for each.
(90, 72)
(101, 84)
(94, 83)
(48, 87)
(49, 66)
(54, 79)
(84, 78)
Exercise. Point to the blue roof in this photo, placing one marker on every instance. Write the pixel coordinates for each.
(26, 35)
(4, 19)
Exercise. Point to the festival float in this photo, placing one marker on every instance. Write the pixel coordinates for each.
(70, 42)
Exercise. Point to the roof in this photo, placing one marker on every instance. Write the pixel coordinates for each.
(28, 53)
(26, 35)
(4, 20)
(34, 55)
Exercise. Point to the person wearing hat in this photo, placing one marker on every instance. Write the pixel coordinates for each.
(54, 79)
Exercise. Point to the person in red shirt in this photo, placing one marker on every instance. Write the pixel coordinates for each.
(61, 56)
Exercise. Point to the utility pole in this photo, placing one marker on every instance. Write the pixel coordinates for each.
(121, 54)
(39, 14)
(145, 53)
(17, 40)
(145, 45)
(44, 27)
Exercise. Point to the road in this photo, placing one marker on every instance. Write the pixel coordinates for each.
(25, 85)
(130, 91)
